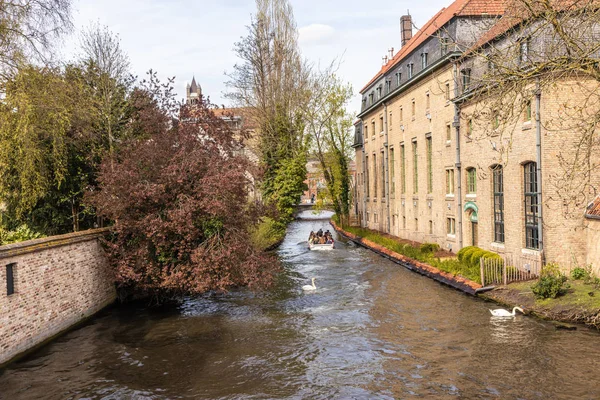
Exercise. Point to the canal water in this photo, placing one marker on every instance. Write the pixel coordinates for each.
(371, 330)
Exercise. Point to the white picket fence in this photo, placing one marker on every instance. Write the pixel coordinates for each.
(508, 269)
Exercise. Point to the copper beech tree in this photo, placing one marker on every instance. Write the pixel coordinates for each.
(180, 204)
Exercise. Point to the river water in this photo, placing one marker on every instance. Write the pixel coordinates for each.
(372, 330)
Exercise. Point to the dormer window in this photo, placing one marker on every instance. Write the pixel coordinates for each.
(378, 92)
(388, 86)
(423, 60)
(398, 78)
(444, 45)
(409, 67)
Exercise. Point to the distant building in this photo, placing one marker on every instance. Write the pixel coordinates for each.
(239, 120)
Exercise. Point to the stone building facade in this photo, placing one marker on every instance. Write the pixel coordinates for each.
(425, 173)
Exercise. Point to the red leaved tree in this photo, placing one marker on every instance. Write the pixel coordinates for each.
(180, 204)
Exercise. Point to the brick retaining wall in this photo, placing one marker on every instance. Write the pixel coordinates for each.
(58, 282)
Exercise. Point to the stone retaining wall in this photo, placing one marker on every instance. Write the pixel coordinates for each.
(58, 282)
(446, 278)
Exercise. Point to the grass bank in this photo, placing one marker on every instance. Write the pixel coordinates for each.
(580, 302)
(268, 234)
(428, 253)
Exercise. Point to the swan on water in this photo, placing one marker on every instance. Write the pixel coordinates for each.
(310, 287)
(500, 312)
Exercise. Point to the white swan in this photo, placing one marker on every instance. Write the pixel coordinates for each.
(310, 287)
(500, 312)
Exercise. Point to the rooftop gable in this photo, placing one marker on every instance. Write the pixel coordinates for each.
(457, 8)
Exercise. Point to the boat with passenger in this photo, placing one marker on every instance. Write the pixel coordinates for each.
(321, 241)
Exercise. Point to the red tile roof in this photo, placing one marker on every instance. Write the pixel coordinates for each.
(519, 11)
(593, 209)
(458, 8)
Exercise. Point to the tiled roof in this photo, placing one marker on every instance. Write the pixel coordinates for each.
(458, 8)
(517, 12)
(593, 209)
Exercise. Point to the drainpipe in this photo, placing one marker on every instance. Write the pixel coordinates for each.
(387, 167)
(456, 124)
(538, 145)
(363, 221)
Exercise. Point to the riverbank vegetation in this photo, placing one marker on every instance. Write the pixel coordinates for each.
(428, 253)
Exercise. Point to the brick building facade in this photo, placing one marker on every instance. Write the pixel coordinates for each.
(424, 173)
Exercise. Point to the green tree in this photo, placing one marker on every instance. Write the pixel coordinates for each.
(44, 166)
(331, 128)
(272, 82)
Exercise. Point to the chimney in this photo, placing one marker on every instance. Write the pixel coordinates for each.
(405, 28)
(391, 51)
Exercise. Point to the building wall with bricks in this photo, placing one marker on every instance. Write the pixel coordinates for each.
(56, 283)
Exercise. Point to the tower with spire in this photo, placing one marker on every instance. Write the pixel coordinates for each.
(193, 92)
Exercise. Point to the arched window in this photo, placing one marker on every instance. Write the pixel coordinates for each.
(498, 203)
(530, 192)
(471, 180)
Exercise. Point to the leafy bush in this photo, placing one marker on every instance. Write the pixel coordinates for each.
(584, 273)
(466, 258)
(21, 234)
(429, 247)
(475, 256)
(551, 283)
(461, 252)
(267, 233)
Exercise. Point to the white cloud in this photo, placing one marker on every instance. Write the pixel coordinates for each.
(315, 33)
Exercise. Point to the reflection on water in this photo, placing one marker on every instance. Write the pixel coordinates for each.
(371, 330)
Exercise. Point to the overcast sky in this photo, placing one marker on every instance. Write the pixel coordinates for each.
(185, 38)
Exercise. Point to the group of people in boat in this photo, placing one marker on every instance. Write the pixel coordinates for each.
(320, 237)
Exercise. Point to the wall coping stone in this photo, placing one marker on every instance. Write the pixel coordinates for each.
(32, 246)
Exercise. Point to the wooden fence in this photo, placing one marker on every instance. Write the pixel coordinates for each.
(502, 271)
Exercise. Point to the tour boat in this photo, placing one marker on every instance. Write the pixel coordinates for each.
(316, 246)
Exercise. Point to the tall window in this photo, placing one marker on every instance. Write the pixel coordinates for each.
(373, 126)
(390, 124)
(447, 91)
(466, 79)
(374, 176)
(415, 168)
(448, 133)
(382, 174)
(498, 204)
(410, 70)
(450, 181)
(429, 165)
(470, 128)
(398, 78)
(388, 85)
(423, 60)
(532, 238)
(392, 173)
(451, 226)
(403, 169)
(378, 92)
(427, 101)
(366, 131)
(401, 114)
(527, 111)
(471, 181)
(367, 176)
(414, 108)
(381, 124)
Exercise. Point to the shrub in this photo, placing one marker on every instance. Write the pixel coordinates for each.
(429, 247)
(580, 273)
(551, 283)
(466, 258)
(461, 252)
(21, 234)
(267, 233)
(475, 256)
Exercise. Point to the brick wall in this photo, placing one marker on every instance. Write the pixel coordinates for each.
(58, 281)
(593, 245)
